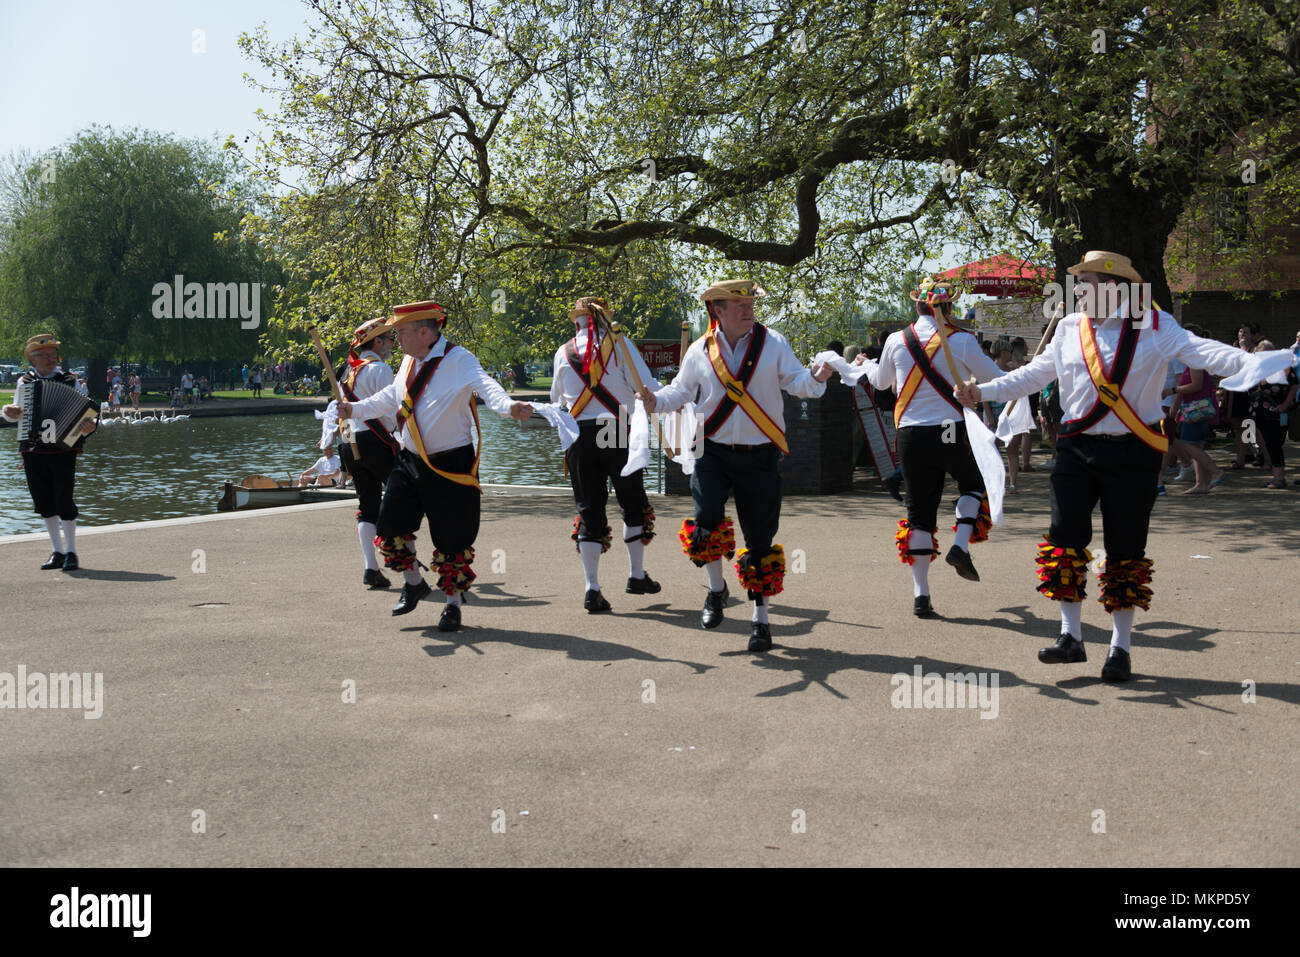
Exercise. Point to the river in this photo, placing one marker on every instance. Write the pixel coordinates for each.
(168, 470)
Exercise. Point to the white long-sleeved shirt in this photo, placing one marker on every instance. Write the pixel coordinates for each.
(1063, 360)
(374, 377)
(777, 369)
(442, 412)
(568, 385)
(927, 406)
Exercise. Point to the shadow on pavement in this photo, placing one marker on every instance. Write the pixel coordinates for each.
(577, 649)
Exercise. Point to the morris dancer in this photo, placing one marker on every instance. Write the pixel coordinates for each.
(599, 391)
(51, 468)
(369, 373)
(1109, 447)
(436, 472)
(932, 440)
(738, 364)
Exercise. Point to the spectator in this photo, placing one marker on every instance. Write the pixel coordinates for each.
(257, 382)
(836, 347)
(1197, 414)
(187, 388)
(134, 384)
(1002, 355)
(1237, 406)
(1269, 402)
(326, 470)
(83, 386)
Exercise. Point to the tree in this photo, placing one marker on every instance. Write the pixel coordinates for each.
(95, 231)
(833, 145)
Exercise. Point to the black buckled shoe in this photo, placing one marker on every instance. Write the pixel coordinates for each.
(892, 486)
(960, 560)
(1068, 650)
(921, 607)
(595, 602)
(760, 637)
(643, 586)
(373, 579)
(1118, 667)
(70, 563)
(450, 620)
(411, 596)
(55, 560)
(713, 605)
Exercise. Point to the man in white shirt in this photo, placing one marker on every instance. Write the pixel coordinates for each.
(592, 378)
(187, 388)
(932, 440)
(436, 472)
(1109, 447)
(735, 375)
(324, 471)
(368, 374)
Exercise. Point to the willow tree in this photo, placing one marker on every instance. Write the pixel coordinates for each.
(828, 148)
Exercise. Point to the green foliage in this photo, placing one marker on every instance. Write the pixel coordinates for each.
(89, 229)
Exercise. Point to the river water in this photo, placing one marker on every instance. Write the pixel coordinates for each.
(168, 470)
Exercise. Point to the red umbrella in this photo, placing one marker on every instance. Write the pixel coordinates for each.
(1000, 276)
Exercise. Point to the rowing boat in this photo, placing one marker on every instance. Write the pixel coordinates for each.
(259, 491)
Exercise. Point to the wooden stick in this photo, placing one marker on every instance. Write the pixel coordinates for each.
(346, 432)
(617, 332)
(1057, 316)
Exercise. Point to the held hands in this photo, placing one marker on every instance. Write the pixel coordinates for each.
(968, 394)
(520, 410)
(821, 372)
(649, 401)
(345, 410)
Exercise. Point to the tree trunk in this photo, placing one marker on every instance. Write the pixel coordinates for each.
(96, 370)
(521, 375)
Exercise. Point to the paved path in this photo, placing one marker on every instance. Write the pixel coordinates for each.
(635, 738)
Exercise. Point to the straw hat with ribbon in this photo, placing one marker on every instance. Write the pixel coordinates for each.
(368, 331)
(1099, 260)
(933, 291)
(42, 340)
(729, 290)
(415, 311)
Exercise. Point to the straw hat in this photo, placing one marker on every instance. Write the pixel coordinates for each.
(42, 340)
(415, 311)
(732, 289)
(369, 330)
(1099, 260)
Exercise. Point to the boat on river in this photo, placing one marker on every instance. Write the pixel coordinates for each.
(261, 491)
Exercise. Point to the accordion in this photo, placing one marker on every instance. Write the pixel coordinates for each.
(53, 413)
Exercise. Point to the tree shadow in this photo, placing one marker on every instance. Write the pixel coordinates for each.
(575, 648)
(491, 595)
(1180, 692)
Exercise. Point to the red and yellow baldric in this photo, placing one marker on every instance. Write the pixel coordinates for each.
(1110, 396)
(591, 369)
(918, 374)
(412, 387)
(737, 395)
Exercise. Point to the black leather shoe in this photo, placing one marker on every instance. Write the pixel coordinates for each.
(643, 586)
(70, 563)
(921, 607)
(411, 595)
(760, 637)
(1117, 666)
(54, 561)
(373, 579)
(450, 620)
(1068, 650)
(960, 560)
(595, 602)
(892, 486)
(713, 604)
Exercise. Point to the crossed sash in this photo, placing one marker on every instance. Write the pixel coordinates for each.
(591, 387)
(348, 386)
(923, 368)
(412, 388)
(1110, 396)
(737, 395)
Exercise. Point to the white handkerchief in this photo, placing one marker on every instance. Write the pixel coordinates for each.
(560, 420)
(849, 373)
(992, 468)
(329, 425)
(1020, 420)
(681, 428)
(1258, 367)
(638, 443)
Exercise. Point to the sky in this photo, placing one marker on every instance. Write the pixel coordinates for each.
(125, 63)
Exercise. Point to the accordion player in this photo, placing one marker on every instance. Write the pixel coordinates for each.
(53, 420)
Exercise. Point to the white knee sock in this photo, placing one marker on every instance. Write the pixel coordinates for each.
(1072, 618)
(716, 581)
(56, 537)
(635, 551)
(968, 506)
(366, 532)
(454, 599)
(921, 564)
(760, 610)
(590, 553)
(69, 534)
(412, 575)
(1122, 627)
